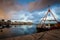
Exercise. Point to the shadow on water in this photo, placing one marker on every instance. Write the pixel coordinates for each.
(46, 29)
(42, 29)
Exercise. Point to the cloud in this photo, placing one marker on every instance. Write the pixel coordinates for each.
(16, 11)
(25, 16)
(57, 11)
(31, 5)
(41, 4)
(21, 15)
(38, 5)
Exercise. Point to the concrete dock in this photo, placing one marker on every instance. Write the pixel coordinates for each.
(47, 35)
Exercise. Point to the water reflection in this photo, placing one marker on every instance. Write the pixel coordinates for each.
(23, 29)
(18, 30)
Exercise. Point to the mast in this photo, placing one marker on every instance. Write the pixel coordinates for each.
(45, 17)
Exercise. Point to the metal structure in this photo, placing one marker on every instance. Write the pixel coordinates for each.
(44, 19)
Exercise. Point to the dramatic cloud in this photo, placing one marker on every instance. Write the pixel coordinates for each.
(27, 5)
(27, 10)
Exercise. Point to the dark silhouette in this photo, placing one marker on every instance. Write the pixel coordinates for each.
(5, 24)
(8, 23)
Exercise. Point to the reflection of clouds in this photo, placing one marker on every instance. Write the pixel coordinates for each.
(23, 29)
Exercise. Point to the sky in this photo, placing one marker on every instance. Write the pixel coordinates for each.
(28, 10)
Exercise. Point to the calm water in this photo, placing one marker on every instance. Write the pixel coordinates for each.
(18, 30)
(23, 29)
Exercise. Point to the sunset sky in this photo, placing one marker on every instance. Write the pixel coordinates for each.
(28, 10)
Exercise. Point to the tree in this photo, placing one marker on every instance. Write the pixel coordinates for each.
(8, 23)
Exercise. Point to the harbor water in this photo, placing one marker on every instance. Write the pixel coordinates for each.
(18, 30)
